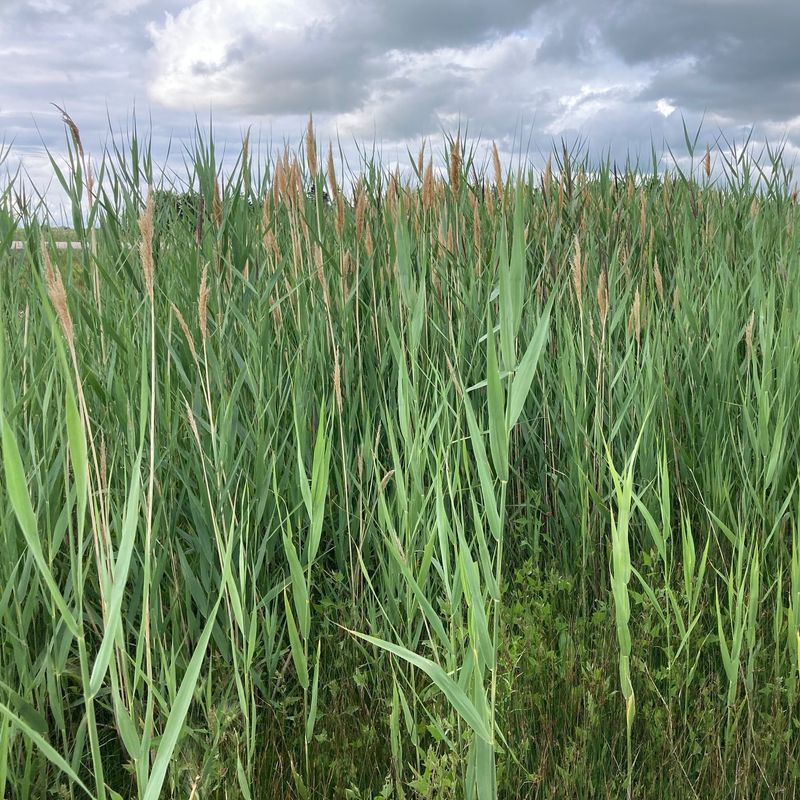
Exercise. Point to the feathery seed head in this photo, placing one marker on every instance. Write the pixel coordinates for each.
(311, 147)
(58, 297)
(146, 243)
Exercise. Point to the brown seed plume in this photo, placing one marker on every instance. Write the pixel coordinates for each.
(455, 165)
(202, 303)
(708, 161)
(658, 280)
(311, 147)
(427, 187)
(498, 170)
(146, 244)
(58, 297)
(577, 276)
(339, 214)
(185, 328)
(602, 298)
(73, 129)
(361, 204)
(332, 173)
(337, 379)
(547, 178)
(421, 158)
(748, 333)
(277, 182)
(642, 212)
(488, 194)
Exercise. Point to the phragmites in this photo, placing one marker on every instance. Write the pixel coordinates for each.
(577, 273)
(708, 161)
(393, 190)
(547, 178)
(368, 241)
(73, 129)
(323, 281)
(748, 333)
(337, 379)
(498, 171)
(421, 158)
(58, 297)
(146, 243)
(186, 332)
(332, 173)
(427, 187)
(657, 279)
(602, 299)
(476, 227)
(361, 205)
(311, 147)
(642, 212)
(202, 304)
(455, 165)
(278, 178)
(246, 148)
(339, 214)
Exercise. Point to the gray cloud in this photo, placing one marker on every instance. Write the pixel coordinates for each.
(511, 69)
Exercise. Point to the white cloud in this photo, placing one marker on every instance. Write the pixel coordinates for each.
(200, 56)
(664, 107)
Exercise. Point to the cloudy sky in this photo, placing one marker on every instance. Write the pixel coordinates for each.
(616, 75)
